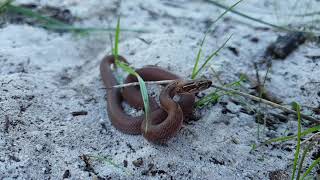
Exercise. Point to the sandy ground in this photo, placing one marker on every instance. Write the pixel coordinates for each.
(45, 76)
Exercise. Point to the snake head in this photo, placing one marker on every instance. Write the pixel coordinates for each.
(193, 86)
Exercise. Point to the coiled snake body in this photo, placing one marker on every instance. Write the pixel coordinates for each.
(164, 122)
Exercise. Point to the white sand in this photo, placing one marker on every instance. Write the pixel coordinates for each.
(45, 76)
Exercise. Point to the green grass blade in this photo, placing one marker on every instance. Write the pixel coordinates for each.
(215, 95)
(247, 16)
(237, 83)
(259, 20)
(227, 9)
(216, 20)
(37, 16)
(210, 98)
(143, 89)
(54, 24)
(296, 155)
(116, 42)
(210, 57)
(286, 138)
(305, 152)
(308, 171)
(127, 68)
(5, 4)
(144, 94)
(195, 67)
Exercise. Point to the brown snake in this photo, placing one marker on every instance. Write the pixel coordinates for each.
(164, 122)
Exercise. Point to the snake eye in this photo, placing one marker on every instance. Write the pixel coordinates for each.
(204, 84)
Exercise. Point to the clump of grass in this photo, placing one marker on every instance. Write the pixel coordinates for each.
(4, 5)
(296, 173)
(296, 106)
(52, 23)
(214, 96)
(196, 69)
(128, 69)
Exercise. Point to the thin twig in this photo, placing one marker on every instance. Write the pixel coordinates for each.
(255, 98)
(147, 82)
(311, 137)
(259, 89)
(257, 75)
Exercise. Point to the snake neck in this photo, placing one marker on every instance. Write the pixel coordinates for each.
(166, 96)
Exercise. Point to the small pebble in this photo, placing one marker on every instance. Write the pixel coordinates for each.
(235, 140)
(138, 162)
(66, 174)
(233, 108)
(125, 163)
(39, 147)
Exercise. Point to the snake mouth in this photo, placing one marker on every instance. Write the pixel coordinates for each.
(193, 86)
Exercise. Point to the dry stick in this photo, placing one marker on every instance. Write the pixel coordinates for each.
(311, 137)
(232, 91)
(147, 82)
